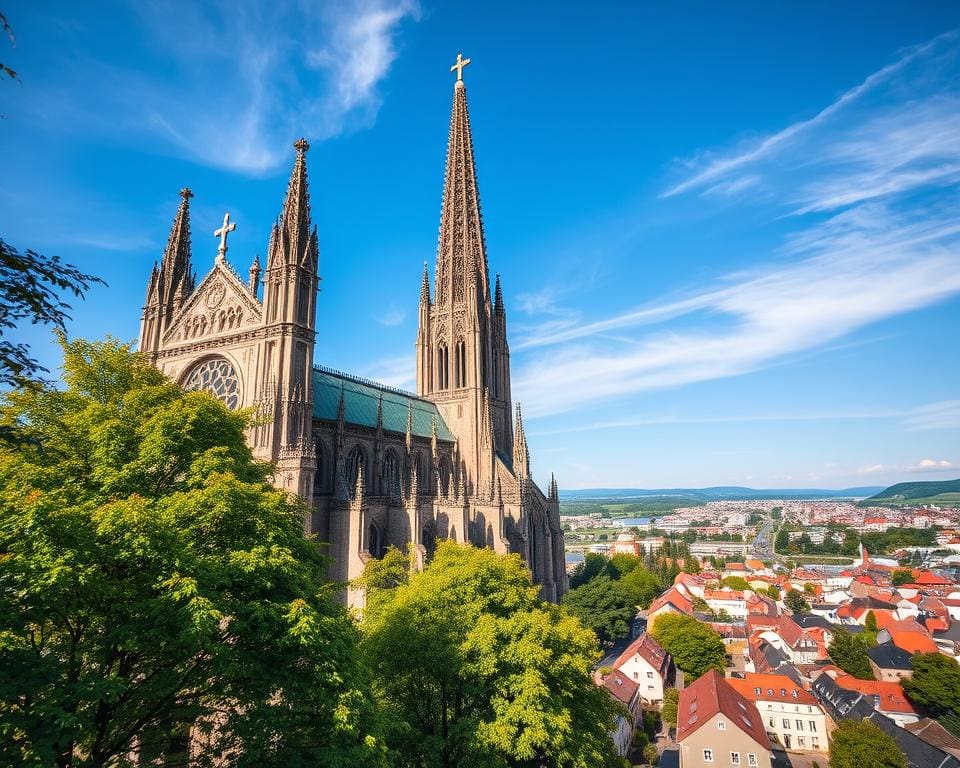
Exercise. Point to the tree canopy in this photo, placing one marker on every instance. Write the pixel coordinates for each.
(594, 564)
(860, 743)
(935, 687)
(695, 647)
(155, 583)
(604, 606)
(850, 654)
(795, 602)
(473, 669)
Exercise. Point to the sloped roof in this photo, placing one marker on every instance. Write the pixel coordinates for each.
(889, 696)
(710, 695)
(648, 648)
(361, 399)
(773, 687)
(889, 656)
(620, 687)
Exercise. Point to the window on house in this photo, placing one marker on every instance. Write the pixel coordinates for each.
(815, 742)
(721, 725)
(708, 755)
(786, 725)
(756, 691)
(650, 675)
(734, 758)
(773, 723)
(813, 726)
(801, 741)
(794, 694)
(799, 725)
(783, 691)
(751, 759)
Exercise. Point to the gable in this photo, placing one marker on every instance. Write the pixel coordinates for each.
(221, 305)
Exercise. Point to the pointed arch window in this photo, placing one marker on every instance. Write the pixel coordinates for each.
(375, 541)
(391, 475)
(355, 459)
(460, 364)
(318, 479)
(443, 366)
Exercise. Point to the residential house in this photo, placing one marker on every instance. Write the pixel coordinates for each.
(718, 726)
(889, 663)
(627, 692)
(791, 715)
(648, 665)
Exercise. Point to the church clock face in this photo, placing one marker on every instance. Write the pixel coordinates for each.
(218, 377)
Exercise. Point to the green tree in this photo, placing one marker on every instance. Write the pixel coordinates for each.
(870, 622)
(381, 576)
(795, 602)
(773, 591)
(859, 743)
(473, 669)
(850, 655)
(782, 541)
(605, 606)
(153, 580)
(901, 576)
(642, 585)
(593, 565)
(31, 286)
(736, 582)
(695, 647)
(651, 754)
(935, 687)
(671, 698)
(623, 563)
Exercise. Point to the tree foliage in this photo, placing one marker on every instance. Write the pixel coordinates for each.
(901, 576)
(671, 698)
(153, 582)
(695, 647)
(30, 291)
(736, 582)
(850, 654)
(860, 743)
(473, 669)
(594, 564)
(935, 687)
(796, 602)
(607, 607)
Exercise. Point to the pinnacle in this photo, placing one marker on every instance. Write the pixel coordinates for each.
(301, 146)
(185, 193)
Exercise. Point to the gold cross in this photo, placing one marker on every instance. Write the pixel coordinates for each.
(226, 229)
(461, 63)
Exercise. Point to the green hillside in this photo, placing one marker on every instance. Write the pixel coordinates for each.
(931, 492)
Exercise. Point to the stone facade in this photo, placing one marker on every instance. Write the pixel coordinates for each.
(379, 466)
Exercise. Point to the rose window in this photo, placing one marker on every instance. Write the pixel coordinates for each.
(218, 378)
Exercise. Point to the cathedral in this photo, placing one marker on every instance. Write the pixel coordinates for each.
(378, 466)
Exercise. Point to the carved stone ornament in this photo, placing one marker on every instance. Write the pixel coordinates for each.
(215, 295)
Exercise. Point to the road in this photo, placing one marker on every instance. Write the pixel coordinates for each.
(763, 544)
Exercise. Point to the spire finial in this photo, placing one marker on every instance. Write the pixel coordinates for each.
(459, 65)
(185, 193)
(301, 145)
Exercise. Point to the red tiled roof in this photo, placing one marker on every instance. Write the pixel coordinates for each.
(912, 641)
(723, 594)
(710, 695)
(649, 649)
(621, 687)
(890, 695)
(675, 598)
(772, 688)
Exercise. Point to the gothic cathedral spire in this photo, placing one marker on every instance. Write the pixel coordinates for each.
(461, 345)
(171, 284)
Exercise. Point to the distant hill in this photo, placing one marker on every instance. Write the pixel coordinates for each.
(930, 492)
(717, 493)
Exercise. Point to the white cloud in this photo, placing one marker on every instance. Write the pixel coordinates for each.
(932, 465)
(238, 82)
(873, 470)
(393, 315)
(883, 160)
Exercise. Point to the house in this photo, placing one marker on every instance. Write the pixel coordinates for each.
(935, 734)
(843, 704)
(886, 698)
(785, 634)
(889, 663)
(732, 601)
(791, 715)
(671, 601)
(627, 693)
(626, 544)
(718, 726)
(645, 663)
(908, 635)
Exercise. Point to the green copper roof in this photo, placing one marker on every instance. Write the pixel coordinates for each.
(361, 399)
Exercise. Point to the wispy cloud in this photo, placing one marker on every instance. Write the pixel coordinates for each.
(396, 372)
(391, 316)
(942, 415)
(712, 168)
(231, 85)
(933, 465)
(878, 162)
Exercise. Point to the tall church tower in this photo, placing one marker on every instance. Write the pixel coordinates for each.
(290, 284)
(463, 362)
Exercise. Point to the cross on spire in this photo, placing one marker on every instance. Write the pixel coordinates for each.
(226, 229)
(459, 65)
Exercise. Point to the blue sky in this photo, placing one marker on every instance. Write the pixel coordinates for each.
(729, 240)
